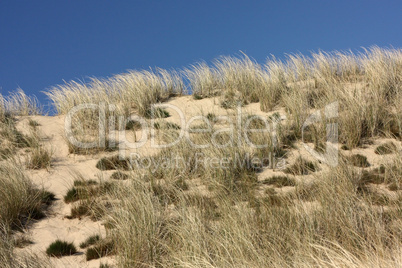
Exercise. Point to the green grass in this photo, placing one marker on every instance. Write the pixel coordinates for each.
(133, 125)
(157, 113)
(197, 96)
(113, 162)
(72, 195)
(60, 248)
(100, 249)
(81, 182)
(105, 265)
(40, 158)
(79, 210)
(47, 197)
(93, 239)
(118, 175)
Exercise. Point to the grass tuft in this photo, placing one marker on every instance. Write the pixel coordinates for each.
(100, 249)
(93, 239)
(118, 175)
(39, 158)
(83, 183)
(301, 167)
(60, 248)
(71, 196)
(113, 162)
(279, 181)
(386, 148)
(157, 113)
(359, 160)
(133, 125)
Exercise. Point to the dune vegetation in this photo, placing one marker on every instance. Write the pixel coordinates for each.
(266, 206)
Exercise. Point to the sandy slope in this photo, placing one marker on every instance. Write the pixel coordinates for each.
(61, 176)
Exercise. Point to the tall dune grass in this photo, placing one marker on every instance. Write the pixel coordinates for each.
(133, 90)
(340, 226)
(18, 103)
(366, 85)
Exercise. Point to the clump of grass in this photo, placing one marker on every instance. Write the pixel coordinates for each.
(204, 81)
(301, 167)
(100, 249)
(375, 176)
(345, 147)
(386, 148)
(108, 147)
(83, 183)
(197, 96)
(18, 103)
(79, 210)
(211, 117)
(20, 200)
(118, 175)
(170, 125)
(71, 196)
(105, 265)
(256, 122)
(231, 103)
(91, 197)
(134, 125)
(359, 160)
(87, 190)
(279, 181)
(157, 125)
(113, 162)
(22, 241)
(33, 123)
(60, 248)
(47, 197)
(39, 158)
(91, 240)
(157, 113)
(11, 139)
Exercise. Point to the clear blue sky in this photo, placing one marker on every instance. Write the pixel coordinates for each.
(44, 42)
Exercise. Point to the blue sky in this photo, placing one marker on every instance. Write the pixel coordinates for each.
(45, 42)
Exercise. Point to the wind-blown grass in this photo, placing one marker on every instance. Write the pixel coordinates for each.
(21, 201)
